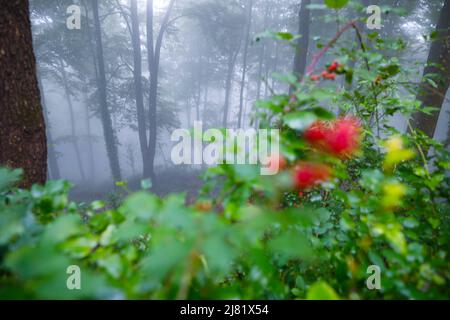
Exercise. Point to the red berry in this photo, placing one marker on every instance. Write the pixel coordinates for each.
(329, 76)
(339, 138)
(334, 66)
(277, 162)
(308, 174)
(315, 78)
(344, 137)
(315, 134)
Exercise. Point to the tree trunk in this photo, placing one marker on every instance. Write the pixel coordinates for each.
(438, 63)
(205, 103)
(108, 131)
(228, 85)
(188, 112)
(154, 53)
(53, 167)
(137, 73)
(198, 95)
(89, 133)
(301, 52)
(244, 64)
(72, 120)
(22, 126)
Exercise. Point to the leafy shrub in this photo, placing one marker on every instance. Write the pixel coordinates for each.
(382, 200)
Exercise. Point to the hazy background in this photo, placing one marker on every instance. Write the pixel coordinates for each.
(193, 71)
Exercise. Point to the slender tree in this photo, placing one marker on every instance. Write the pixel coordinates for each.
(22, 126)
(53, 167)
(137, 75)
(73, 138)
(153, 55)
(438, 67)
(301, 52)
(244, 63)
(108, 130)
(229, 83)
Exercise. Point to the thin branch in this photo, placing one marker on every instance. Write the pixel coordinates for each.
(316, 57)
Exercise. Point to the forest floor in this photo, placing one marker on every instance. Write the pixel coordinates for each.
(170, 180)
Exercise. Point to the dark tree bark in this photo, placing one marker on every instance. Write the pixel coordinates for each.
(438, 63)
(137, 74)
(154, 53)
(301, 54)
(108, 131)
(244, 64)
(22, 126)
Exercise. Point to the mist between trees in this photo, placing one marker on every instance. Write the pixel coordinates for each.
(114, 89)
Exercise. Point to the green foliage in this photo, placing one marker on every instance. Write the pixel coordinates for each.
(336, 4)
(252, 236)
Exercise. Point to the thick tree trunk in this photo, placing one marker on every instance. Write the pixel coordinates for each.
(22, 126)
(301, 53)
(244, 64)
(137, 73)
(438, 63)
(108, 131)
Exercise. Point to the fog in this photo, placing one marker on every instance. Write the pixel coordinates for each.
(204, 51)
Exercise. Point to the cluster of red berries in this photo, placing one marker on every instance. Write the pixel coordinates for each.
(339, 138)
(329, 73)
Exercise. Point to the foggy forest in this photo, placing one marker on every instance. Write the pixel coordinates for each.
(224, 149)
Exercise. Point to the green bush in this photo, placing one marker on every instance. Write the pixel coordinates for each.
(259, 237)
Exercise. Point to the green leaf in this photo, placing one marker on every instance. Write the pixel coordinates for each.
(300, 120)
(219, 255)
(142, 205)
(63, 228)
(321, 291)
(323, 113)
(284, 35)
(8, 177)
(292, 245)
(146, 184)
(336, 4)
(121, 183)
(11, 223)
(165, 257)
(112, 264)
(316, 6)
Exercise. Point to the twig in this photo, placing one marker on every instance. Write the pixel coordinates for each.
(316, 57)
